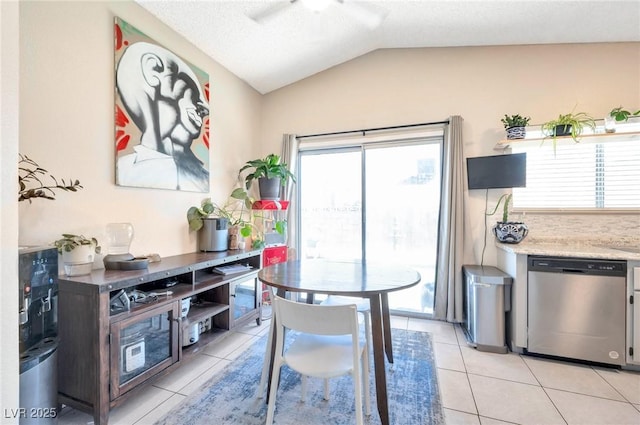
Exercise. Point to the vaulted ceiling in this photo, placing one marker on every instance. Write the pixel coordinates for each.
(270, 44)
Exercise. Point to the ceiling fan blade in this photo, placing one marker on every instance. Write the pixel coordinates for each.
(271, 12)
(367, 14)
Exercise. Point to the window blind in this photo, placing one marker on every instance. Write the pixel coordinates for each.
(596, 173)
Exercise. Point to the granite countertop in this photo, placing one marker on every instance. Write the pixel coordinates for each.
(603, 249)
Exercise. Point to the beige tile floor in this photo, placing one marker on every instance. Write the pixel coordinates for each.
(476, 387)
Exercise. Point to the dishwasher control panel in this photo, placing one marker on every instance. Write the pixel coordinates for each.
(578, 265)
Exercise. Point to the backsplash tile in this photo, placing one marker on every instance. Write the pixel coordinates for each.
(617, 229)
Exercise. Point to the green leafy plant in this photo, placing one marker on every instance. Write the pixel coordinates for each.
(269, 167)
(574, 123)
(196, 215)
(69, 242)
(505, 199)
(236, 210)
(517, 120)
(620, 114)
(31, 174)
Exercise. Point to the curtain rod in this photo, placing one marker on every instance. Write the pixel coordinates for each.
(364, 131)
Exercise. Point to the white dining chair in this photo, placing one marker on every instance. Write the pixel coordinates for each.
(362, 305)
(326, 344)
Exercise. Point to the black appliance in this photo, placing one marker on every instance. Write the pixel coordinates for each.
(497, 171)
(38, 334)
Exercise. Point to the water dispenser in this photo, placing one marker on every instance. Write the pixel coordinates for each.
(38, 334)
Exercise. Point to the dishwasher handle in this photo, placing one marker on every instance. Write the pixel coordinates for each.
(567, 270)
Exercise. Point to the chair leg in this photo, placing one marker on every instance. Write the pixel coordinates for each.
(365, 381)
(367, 333)
(275, 377)
(326, 389)
(303, 387)
(357, 390)
(262, 387)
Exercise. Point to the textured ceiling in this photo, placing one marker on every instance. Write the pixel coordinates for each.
(270, 44)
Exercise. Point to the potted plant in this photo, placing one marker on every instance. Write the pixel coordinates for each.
(271, 174)
(78, 253)
(31, 174)
(213, 232)
(620, 114)
(571, 124)
(515, 126)
(238, 211)
(617, 115)
(508, 231)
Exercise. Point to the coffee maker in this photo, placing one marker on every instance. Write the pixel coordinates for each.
(38, 334)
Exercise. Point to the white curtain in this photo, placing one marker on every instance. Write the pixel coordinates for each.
(290, 157)
(449, 279)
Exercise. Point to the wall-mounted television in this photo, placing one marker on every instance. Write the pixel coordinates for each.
(497, 171)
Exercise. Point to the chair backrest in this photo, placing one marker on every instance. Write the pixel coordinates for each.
(316, 319)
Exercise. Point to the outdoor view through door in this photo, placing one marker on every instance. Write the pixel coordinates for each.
(376, 202)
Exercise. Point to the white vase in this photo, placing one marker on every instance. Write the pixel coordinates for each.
(79, 261)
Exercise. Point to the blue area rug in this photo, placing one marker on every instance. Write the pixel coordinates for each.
(229, 397)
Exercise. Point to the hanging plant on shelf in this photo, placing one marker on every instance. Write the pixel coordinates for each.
(31, 174)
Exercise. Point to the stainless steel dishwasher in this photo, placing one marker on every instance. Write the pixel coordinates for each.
(576, 308)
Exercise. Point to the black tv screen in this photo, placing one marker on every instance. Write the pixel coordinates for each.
(497, 171)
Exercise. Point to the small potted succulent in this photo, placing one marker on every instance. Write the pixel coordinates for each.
(271, 174)
(508, 231)
(515, 126)
(78, 253)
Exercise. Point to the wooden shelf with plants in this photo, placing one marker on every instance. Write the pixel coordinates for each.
(619, 124)
(506, 143)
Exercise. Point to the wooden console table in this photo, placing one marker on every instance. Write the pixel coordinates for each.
(107, 352)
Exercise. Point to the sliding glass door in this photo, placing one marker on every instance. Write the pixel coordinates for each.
(377, 202)
(331, 205)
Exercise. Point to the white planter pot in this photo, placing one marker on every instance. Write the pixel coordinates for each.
(79, 261)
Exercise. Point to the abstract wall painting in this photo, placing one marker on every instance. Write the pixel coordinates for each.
(161, 115)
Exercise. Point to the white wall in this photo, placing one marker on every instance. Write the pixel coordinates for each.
(66, 123)
(8, 208)
(67, 126)
(405, 86)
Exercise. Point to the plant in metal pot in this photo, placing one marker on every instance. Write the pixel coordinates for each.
(508, 231)
(78, 253)
(271, 174)
(571, 124)
(213, 229)
(515, 125)
(237, 213)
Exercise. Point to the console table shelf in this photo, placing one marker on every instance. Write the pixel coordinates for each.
(109, 350)
(197, 313)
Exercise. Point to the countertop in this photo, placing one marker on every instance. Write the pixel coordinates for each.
(629, 250)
